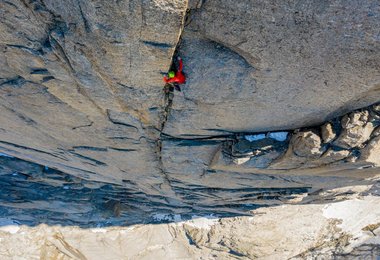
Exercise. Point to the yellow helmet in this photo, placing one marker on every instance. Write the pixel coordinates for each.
(171, 74)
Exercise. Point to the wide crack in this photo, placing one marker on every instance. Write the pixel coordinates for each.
(168, 102)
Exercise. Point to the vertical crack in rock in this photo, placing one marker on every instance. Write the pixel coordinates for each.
(168, 98)
(168, 102)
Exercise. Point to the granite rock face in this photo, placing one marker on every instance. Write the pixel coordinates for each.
(81, 93)
(81, 85)
(271, 65)
(268, 117)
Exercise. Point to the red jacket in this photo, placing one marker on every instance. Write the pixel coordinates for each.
(179, 77)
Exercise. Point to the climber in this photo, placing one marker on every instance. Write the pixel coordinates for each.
(175, 78)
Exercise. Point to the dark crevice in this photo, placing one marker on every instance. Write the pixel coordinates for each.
(191, 240)
(236, 253)
(86, 158)
(81, 126)
(90, 148)
(85, 21)
(11, 4)
(168, 102)
(157, 44)
(231, 136)
(118, 122)
(123, 149)
(124, 86)
(46, 79)
(25, 48)
(16, 81)
(31, 149)
(39, 71)
(61, 53)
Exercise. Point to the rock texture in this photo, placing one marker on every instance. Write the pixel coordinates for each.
(33, 194)
(81, 86)
(356, 130)
(268, 66)
(81, 82)
(308, 150)
(328, 133)
(371, 153)
(81, 95)
(318, 231)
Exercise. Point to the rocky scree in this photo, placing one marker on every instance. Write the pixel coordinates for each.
(348, 142)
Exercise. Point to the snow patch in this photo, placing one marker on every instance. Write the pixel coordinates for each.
(279, 136)
(205, 222)
(355, 215)
(252, 138)
(10, 226)
(99, 230)
(167, 217)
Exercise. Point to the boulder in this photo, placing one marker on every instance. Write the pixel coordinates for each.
(331, 156)
(371, 153)
(356, 130)
(306, 144)
(328, 133)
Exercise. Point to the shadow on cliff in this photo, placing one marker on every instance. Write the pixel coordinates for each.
(32, 194)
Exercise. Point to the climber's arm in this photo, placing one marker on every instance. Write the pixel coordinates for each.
(172, 80)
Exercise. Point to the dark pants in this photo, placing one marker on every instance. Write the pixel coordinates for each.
(170, 87)
(177, 87)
